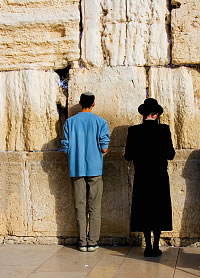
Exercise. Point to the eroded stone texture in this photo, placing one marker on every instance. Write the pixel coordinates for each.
(125, 32)
(177, 90)
(114, 42)
(91, 51)
(118, 92)
(53, 212)
(13, 209)
(36, 195)
(39, 34)
(37, 200)
(28, 110)
(184, 179)
(116, 195)
(186, 32)
(147, 32)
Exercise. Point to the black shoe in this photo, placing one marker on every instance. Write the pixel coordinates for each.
(157, 252)
(148, 252)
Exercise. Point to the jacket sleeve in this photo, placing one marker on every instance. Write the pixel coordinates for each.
(104, 138)
(65, 141)
(170, 151)
(128, 149)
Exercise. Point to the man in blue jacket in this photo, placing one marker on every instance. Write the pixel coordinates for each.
(86, 137)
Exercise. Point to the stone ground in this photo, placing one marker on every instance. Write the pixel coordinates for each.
(51, 261)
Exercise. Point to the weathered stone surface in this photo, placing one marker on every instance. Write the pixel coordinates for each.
(91, 52)
(125, 33)
(118, 92)
(177, 90)
(37, 201)
(184, 178)
(114, 42)
(147, 33)
(28, 111)
(36, 195)
(186, 32)
(116, 196)
(39, 34)
(53, 212)
(13, 206)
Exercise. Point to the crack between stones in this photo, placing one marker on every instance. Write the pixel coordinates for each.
(147, 68)
(103, 47)
(64, 86)
(124, 62)
(146, 54)
(80, 28)
(28, 197)
(170, 31)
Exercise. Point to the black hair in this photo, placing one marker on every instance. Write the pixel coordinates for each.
(86, 101)
(152, 114)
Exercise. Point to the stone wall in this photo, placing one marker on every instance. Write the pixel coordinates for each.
(123, 51)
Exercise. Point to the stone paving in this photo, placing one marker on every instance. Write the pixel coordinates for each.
(51, 261)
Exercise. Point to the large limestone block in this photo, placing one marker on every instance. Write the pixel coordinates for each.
(36, 195)
(186, 32)
(53, 212)
(28, 110)
(116, 195)
(184, 173)
(178, 91)
(39, 34)
(118, 92)
(91, 50)
(13, 194)
(125, 32)
(147, 33)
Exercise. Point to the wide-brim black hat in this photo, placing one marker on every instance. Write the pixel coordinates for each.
(149, 106)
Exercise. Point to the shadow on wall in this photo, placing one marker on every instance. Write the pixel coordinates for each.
(190, 225)
(62, 222)
(75, 109)
(116, 196)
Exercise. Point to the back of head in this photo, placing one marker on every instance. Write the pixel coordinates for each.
(87, 99)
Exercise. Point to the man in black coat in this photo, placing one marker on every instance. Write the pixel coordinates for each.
(149, 146)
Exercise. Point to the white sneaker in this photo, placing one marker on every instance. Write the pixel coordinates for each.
(83, 248)
(93, 248)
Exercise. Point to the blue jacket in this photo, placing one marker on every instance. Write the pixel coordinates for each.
(85, 135)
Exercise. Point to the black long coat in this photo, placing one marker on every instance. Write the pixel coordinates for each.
(149, 145)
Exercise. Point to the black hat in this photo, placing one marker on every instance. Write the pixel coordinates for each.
(150, 105)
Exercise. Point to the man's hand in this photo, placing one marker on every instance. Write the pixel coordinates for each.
(104, 150)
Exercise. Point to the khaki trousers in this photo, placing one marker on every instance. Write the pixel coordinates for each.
(88, 194)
